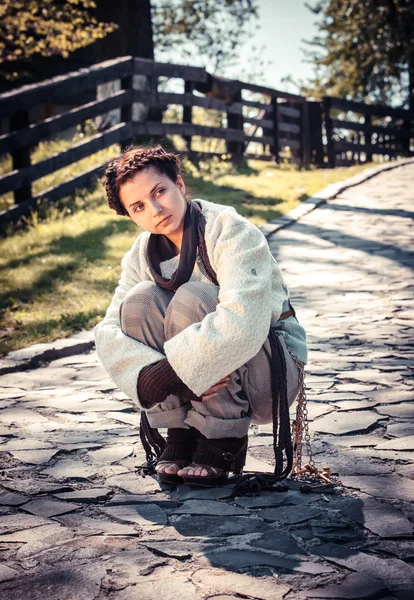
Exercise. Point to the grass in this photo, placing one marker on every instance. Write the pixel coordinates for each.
(58, 272)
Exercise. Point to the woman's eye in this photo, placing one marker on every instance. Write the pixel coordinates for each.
(138, 207)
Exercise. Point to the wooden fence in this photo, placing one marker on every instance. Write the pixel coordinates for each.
(373, 130)
(255, 122)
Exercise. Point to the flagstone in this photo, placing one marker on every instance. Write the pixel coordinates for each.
(45, 507)
(34, 457)
(401, 443)
(141, 514)
(340, 423)
(7, 573)
(405, 410)
(234, 559)
(70, 469)
(110, 454)
(80, 523)
(89, 495)
(390, 486)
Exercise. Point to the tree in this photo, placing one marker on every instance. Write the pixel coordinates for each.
(45, 28)
(40, 38)
(208, 32)
(364, 51)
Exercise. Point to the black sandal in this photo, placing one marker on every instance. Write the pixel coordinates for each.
(218, 458)
(181, 445)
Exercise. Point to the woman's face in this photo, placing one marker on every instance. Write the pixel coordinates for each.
(155, 203)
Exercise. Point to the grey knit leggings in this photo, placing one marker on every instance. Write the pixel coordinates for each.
(152, 315)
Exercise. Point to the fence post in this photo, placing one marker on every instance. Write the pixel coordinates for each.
(405, 143)
(126, 111)
(315, 133)
(188, 112)
(326, 103)
(274, 149)
(235, 122)
(368, 138)
(305, 141)
(21, 157)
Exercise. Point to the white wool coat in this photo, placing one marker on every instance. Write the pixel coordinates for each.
(251, 297)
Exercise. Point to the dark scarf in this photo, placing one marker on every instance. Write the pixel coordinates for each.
(160, 248)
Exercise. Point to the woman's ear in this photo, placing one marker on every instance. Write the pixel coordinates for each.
(181, 184)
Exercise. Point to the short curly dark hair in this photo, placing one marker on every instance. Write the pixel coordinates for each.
(133, 160)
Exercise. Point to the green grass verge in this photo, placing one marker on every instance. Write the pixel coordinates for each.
(58, 273)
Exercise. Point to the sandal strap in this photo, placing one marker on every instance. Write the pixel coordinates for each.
(227, 453)
(231, 458)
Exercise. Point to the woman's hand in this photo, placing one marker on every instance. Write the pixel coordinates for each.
(212, 391)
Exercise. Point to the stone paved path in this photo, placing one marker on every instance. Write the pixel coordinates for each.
(77, 523)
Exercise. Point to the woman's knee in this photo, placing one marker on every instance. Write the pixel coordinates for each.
(197, 296)
(191, 303)
(142, 303)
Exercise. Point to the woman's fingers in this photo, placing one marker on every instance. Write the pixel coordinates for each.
(212, 391)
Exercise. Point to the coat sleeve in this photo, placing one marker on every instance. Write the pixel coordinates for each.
(122, 356)
(224, 340)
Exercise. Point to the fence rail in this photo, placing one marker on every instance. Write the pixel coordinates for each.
(253, 121)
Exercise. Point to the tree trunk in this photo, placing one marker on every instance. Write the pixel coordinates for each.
(134, 35)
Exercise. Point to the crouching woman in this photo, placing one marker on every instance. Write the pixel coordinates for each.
(200, 333)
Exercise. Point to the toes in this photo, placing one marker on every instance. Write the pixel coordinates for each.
(171, 469)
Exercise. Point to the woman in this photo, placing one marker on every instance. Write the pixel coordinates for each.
(200, 333)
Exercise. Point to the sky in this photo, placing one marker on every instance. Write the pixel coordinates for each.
(283, 24)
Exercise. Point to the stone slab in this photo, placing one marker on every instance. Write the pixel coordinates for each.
(80, 524)
(7, 573)
(234, 559)
(401, 443)
(401, 411)
(400, 429)
(380, 518)
(81, 582)
(340, 423)
(395, 573)
(110, 454)
(142, 514)
(45, 507)
(16, 522)
(390, 486)
(208, 526)
(133, 483)
(278, 541)
(218, 581)
(12, 499)
(209, 507)
(160, 499)
(187, 492)
(289, 514)
(34, 457)
(89, 495)
(355, 586)
(71, 469)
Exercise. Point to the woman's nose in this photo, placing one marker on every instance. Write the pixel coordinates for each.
(156, 208)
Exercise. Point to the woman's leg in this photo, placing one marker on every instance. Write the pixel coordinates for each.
(225, 415)
(143, 318)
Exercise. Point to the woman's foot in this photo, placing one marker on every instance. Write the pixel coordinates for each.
(214, 460)
(199, 470)
(178, 453)
(171, 468)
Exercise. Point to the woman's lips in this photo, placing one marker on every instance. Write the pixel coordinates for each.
(164, 221)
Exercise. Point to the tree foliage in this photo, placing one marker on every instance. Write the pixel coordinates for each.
(46, 28)
(209, 32)
(203, 32)
(364, 50)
